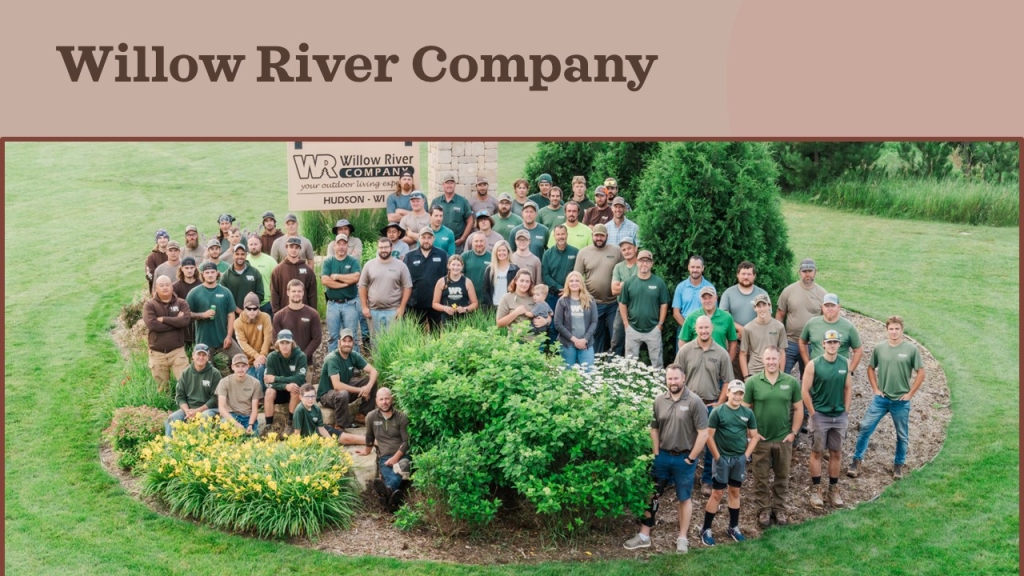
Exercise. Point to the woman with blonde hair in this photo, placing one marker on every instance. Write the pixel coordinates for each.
(498, 275)
(576, 321)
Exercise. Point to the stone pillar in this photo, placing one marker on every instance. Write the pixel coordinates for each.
(466, 160)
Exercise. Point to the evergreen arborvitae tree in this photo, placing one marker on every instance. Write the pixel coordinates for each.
(719, 200)
(624, 161)
(805, 164)
(562, 160)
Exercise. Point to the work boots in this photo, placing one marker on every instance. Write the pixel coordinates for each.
(835, 498)
(817, 496)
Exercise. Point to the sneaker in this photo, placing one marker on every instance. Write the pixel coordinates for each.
(734, 533)
(682, 545)
(707, 539)
(637, 542)
(817, 500)
(765, 518)
(780, 518)
(396, 500)
(705, 490)
(854, 470)
(835, 497)
(897, 471)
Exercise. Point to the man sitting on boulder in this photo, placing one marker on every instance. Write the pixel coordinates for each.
(389, 428)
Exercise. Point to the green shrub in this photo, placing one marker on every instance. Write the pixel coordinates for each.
(211, 472)
(624, 161)
(926, 159)
(721, 202)
(804, 164)
(134, 387)
(131, 428)
(562, 160)
(390, 347)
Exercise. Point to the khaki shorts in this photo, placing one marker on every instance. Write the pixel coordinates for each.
(827, 432)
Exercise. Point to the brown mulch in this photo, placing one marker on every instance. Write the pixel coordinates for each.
(515, 541)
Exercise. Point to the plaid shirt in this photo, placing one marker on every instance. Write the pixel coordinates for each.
(629, 229)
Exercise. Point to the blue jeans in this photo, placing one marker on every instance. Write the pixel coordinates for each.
(179, 416)
(706, 475)
(243, 419)
(675, 468)
(381, 319)
(879, 407)
(341, 316)
(793, 358)
(573, 356)
(392, 480)
(605, 326)
(258, 373)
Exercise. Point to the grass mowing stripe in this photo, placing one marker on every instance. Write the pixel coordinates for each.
(957, 286)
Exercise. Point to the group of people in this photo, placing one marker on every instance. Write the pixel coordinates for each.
(584, 282)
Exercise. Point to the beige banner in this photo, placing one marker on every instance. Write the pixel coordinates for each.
(349, 175)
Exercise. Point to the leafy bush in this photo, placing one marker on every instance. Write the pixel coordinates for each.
(624, 161)
(562, 160)
(720, 201)
(804, 164)
(131, 428)
(134, 387)
(496, 423)
(211, 472)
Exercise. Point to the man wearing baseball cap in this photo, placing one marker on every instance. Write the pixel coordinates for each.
(427, 264)
(732, 438)
(798, 303)
(192, 246)
(758, 334)
(524, 258)
(416, 219)
(623, 271)
(814, 332)
(458, 214)
(213, 254)
(338, 388)
(193, 394)
(293, 267)
(156, 257)
(827, 388)
(601, 211)
(241, 278)
(544, 184)
(238, 396)
(619, 226)
(398, 202)
(505, 220)
(279, 251)
(597, 262)
(287, 369)
(213, 310)
(539, 233)
(170, 267)
(270, 232)
(643, 305)
(482, 201)
(723, 329)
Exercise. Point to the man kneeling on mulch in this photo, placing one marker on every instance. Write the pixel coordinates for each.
(389, 428)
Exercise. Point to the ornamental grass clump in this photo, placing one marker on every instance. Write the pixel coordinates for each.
(210, 471)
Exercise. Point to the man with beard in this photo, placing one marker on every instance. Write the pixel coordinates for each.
(554, 213)
(687, 295)
(619, 226)
(384, 287)
(601, 211)
(337, 387)
(170, 267)
(758, 335)
(826, 391)
(302, 320)
(265, 264)
(679, 431)
(777, 403)
(192, 248)
(643, 305)
(389, 430)
(270, 233)
(798, 303)
(339, 277)
(427, 264)
(738, 299)
(482, 201)
(484, 225)
(505, 221)
(544, 184)
(579, 193)
(577, 235)
(476, 260)
(416, 219)
(707, 368)
(213, 255)
(458, 214)
(241, 278)
(193, 393)
(279, 251)
(292, 268)
(156, 257)
(597, 262)
(166, 316)
(814, 331)
(254, 332)
(398, 203)
(213, 309)
(622, 272)
(558, 261)
(539, 233)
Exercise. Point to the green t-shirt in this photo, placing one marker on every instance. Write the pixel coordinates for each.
(643, 300)
(829, 385)
(538, 238)
(212, 331)
(307, 422)
(475, 266)
(893, 367)
(290, 370)
(343, 367)
(456, 213)
(504, 226)
(444, 239)
(814, 332)
(551, 218)
(773, 404)
(265, 264)
(347, 265)
(723, 329)
(731, 428)
(539, 198)
(623, 271)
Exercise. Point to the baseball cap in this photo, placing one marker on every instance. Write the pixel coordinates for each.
(600, 229)
(341, 237)
(207, 266)
(294, 240)
(343, 222)
(482, 180)
(830, 299)
(523, 234)
(504, 197)
(290, 218)
(600, 190)
(417, 195)
(544, 178)
(737, 386)
(619, 201)
(345, 333)
(645, 255)
(762, 298)
(191, 228)
(285, 335)
(173, 245)
(611, 182)
(213, 242)
(188, 261)
(427, 230)
(808, 264)
(530, 204)
(708, 290)
(449, 177)
(831, 336)
(225, 218)
(203, 348)
(163, 233)
(407, 171)
(239, 359)
(269, 215)
(627, 239)
(483, 214)
(242, 246)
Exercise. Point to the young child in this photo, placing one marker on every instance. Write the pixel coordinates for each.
(309, 419)
(540, 307)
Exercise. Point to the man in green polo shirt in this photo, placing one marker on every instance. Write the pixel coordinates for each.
(340, 279)
(458, 213)
(826, 393)
(505, 220)
(539, 233)
(723, 329)
(554, 213)
(476, 260)
(337, 388)
(815, 328)
(643, 305)
(889, 374)
(776, 399)
(623, 271)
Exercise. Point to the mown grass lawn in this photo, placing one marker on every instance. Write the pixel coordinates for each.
(80, 219)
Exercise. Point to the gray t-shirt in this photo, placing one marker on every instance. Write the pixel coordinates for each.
(540, 309)
(490, 203)
(384, 282)
(579, 318)
(279, 251)
(740, 305)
